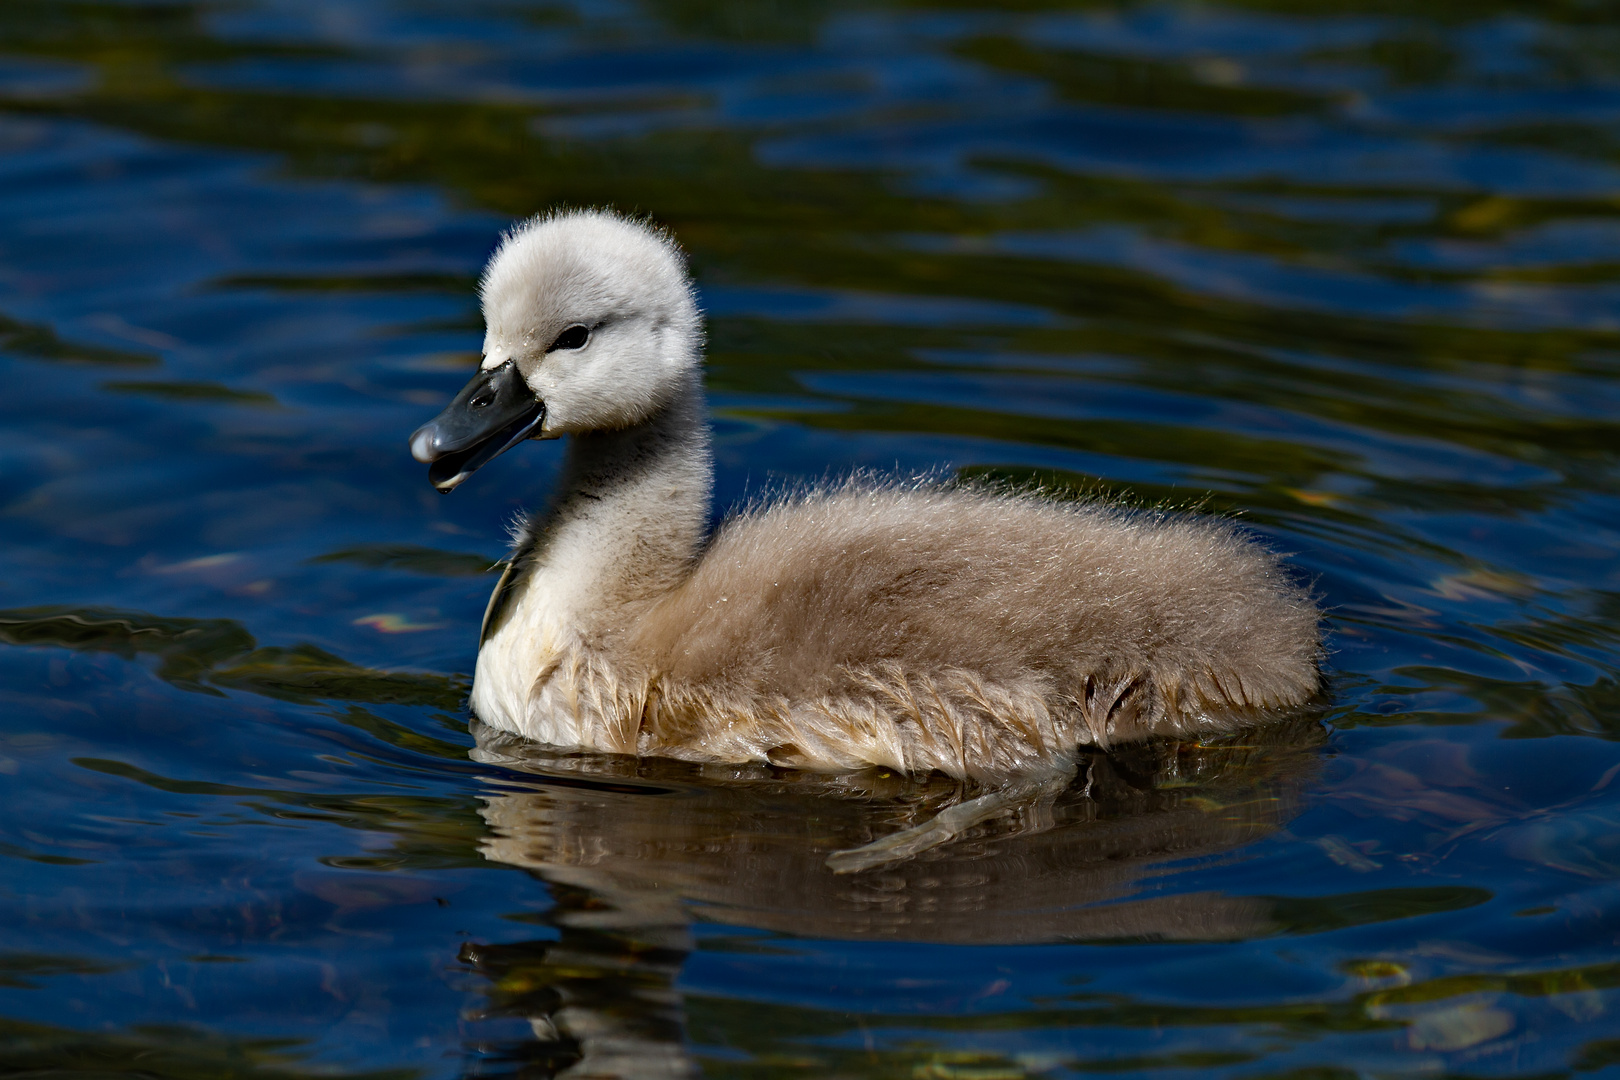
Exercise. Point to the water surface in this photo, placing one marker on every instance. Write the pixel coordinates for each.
(1346, 269)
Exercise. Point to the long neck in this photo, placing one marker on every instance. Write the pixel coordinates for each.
(629, 517)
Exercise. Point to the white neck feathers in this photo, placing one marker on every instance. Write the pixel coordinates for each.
(628, 521)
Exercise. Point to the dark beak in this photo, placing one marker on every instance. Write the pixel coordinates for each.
(492, 414)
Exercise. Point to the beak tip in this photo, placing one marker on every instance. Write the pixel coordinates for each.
(422, 448)
(491, 414)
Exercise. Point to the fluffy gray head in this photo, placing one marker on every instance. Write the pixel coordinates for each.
(597, 312)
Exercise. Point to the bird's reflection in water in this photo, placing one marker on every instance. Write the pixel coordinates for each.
(635, 851)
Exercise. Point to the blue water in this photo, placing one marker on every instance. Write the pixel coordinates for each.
(1345, 269)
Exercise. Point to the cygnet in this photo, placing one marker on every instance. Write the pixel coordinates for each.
(909, 625)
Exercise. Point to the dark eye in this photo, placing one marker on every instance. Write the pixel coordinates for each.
(572, 338)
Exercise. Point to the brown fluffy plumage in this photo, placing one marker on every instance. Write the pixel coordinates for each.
(913, 626)
(965, 631)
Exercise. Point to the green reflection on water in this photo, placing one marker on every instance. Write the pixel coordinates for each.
(187, 649)
(204, 655)
(413, 559)
(1598, 1054)
(427, 832)
(42, 343)
(205, 393)
(24, 970)
(761, 1030)
(304, 673)
(160, 1052)
(461, 284)
(1140, 82)
(13, 851)
(1321, 914)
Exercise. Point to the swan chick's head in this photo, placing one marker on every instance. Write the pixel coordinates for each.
(590, 324)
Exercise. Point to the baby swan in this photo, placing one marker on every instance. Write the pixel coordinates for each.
(913, 626)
